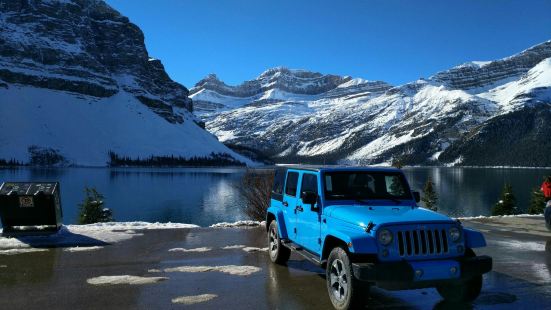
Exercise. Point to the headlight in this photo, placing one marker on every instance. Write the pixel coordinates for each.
(385, 237)
(455, 234)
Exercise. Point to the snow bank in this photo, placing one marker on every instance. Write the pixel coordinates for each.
(124, 279)
(69, 236)
(133, 225)
(238, 224)
(190, 300)
(203, 249)
(229, 269)
(499, 216)
(21, 251)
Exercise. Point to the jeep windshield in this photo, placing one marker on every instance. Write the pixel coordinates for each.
(365, 185)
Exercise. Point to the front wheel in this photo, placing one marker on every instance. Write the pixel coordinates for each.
(464, 291)
(345, 291)
(279, 254)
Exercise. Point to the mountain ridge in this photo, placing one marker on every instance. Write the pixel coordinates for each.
(415, 123)
(78, 84)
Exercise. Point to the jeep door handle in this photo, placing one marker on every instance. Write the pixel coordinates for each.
(299, 209)
(285, 204)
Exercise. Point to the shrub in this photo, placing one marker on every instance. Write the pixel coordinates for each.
(507, 204)
(537, 202)
(256, 188)
(430, 198)
(91, 210)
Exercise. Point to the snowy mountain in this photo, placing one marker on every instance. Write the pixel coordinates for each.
(77, 85)
(479, 113)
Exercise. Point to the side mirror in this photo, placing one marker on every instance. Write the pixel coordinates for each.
(309, 198)
(417, 196)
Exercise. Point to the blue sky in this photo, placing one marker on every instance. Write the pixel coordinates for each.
(394, 41)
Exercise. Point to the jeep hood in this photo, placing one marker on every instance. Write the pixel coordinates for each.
(361, 215)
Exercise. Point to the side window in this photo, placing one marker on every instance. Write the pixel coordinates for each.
(291, 184)
(279, 179)
(309, 183)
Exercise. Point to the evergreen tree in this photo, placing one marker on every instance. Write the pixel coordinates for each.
(537, 202)
(507, 204)
(92, 208)
(430, 198)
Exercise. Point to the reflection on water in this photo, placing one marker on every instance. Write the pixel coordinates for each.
(199, 196)
(473, 191)
(205, 196)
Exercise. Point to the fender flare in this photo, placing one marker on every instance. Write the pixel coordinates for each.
(361, 242)
(278, 215)
(473, 238)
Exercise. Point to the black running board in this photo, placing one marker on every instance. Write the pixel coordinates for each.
(303, 252)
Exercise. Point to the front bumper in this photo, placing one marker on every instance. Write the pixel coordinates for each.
(402, 275)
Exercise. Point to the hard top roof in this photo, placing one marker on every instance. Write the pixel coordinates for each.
(326, 168)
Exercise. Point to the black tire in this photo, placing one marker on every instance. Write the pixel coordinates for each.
(463, 291)
(279, 254)
(345, 292)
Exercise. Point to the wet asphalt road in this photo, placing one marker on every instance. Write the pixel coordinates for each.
(56, 279)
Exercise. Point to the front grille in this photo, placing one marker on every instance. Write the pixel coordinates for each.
(422, 242)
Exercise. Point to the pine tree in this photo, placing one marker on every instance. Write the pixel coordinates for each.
(92, 210)
(430, 198)
(507, 204)
(537, 202)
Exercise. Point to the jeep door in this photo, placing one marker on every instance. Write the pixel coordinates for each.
(290, 203)
(308, 218)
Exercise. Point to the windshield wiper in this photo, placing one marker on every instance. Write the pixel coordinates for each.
(364, 201)
(396, 200)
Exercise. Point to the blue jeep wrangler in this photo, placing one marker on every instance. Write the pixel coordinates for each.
(364, 227)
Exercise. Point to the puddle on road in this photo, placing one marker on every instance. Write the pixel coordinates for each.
(124, 279)
(190, 300)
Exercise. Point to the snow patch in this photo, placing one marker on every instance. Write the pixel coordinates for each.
(254, 249)
(229, 269)
(238, 224)
(232, 247)
(191, 300)
(21, 251)
(500, 216)
(124, 279)
(82, 248)
(130, 226)
(525, 246)
(203, 249)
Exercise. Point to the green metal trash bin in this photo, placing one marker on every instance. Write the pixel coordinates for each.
(30, 207)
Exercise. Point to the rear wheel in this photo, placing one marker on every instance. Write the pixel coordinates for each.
(464, 291)
(345, 291)
(279, 254)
